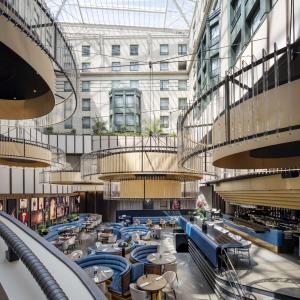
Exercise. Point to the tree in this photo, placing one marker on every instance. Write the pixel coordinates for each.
(99, 126)
(153, 128)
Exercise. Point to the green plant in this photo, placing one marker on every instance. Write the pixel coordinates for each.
(73, 131)
(152, 128)
(99, 127)
(199, 212)
(73, 217)
(42, 229)
(48, 130)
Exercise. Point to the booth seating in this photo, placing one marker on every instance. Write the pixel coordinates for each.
(155, 220)
(124, 232)
(139, 255)
(120, 266)
(51, 236)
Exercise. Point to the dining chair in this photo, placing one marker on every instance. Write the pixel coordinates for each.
(171, 267)
(137, 294)
(112, 239)
(170, 277)
(146, 237)
(135, 237)
(76, 254)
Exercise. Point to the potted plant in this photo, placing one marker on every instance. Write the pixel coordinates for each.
(191, 215)
(42, 229)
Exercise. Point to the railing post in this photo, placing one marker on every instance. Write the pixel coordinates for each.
(227, 109)
(288, 53)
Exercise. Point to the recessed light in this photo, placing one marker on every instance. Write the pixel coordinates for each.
(34, 91)
(15, 98)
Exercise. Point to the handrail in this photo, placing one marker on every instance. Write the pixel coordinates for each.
(44, 279)
(94, 291)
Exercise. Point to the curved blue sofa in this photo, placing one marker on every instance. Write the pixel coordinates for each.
(139, 254)
(112, 251)
(155, 220)
(123, 233)
(120, 265)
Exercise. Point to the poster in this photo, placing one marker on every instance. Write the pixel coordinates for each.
(36, 218)
(147, 204)
(175, 204)
(67, 200)
(23, 203)
(52, 209)
(47, 203)
(41, 203)
(34, 204)
(11, 207)
(23, 217)
(60, 211)
(1, 205)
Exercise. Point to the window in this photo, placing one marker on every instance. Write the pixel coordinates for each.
(130, 101)
(115, 50)
(182, 103)
(254, 20)
(119, 101)
(115, 84)
(67, 65)
(86, 104)
(214, 32)
(164, 66)
(85, 66)
(181, 65)
(85, 50)
(164, 49)
(182, 49)
(164, 121)
(67, 86)
(129, 120)
(116, 66)
(134, 66)
(164, 103)
(119, 119)
(164, 85)
(134, 49)
(182, 85)
(85, 86)
(214, 66)
(86, 122)
(134, 84)
(68, 124)
(49, 38)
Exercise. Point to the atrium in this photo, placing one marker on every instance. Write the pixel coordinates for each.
(149, 149)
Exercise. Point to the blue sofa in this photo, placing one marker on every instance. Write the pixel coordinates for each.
(123, 232)
(121, 267)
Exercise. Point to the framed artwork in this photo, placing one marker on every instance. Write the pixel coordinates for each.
(1, 205)
(47, 203)
(175, 204)
(67, 200)
(23, 203)
(52, 215)
(147, 204)
(23, 217)
(34, 204)
(41, 203)
(60, 211)
(11, 207)
(36, 218)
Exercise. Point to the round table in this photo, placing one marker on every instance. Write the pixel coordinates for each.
(155, 283)
(103, 273)
(139, 232)
(161, 258)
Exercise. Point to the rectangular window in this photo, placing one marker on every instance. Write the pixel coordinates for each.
(115, 50)
(85, 50)
(181, 65)
(182, 49)
(49, 38)
(214, 66)
(119, 119)
(68, 124)
(164, 121)
(119, 101)
(134, 49)
(182, 103)
(130, 101)
(86, 122)
(67, 66)
(164, 85)
(134, 66)
(67, 86)
(254, 20)
(164, 49)
(182, 85)
(116, 66)
(115, 84)
(86, 104)
(85, 86)
(164, 66)
(85, 67)
(129, 120)
(164, 103)
(134, 84)
(214, 33)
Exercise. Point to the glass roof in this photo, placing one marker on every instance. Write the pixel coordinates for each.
(160, 14)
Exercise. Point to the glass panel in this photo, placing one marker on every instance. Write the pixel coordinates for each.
(164, 85)
(119, 119)
(134, 84)
(86, 104)
(86, 50)
(130, 101)
(182, 85)
(182, 49)
(130, 120)
(116, 66)
(119, 101)
(164, 49)
(164, 103)
(86, 122)
(164, 66)
(134, 49)
(115, 50)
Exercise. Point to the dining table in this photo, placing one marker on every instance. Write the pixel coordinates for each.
(161, 258)
(151, 283)
(99, 274)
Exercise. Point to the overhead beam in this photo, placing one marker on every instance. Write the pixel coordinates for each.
(60, 9)
(182, 13)
(80, 12)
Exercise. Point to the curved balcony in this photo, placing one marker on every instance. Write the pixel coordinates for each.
(250, 120)
(16, 152)
(34, 53)
(148, 168)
